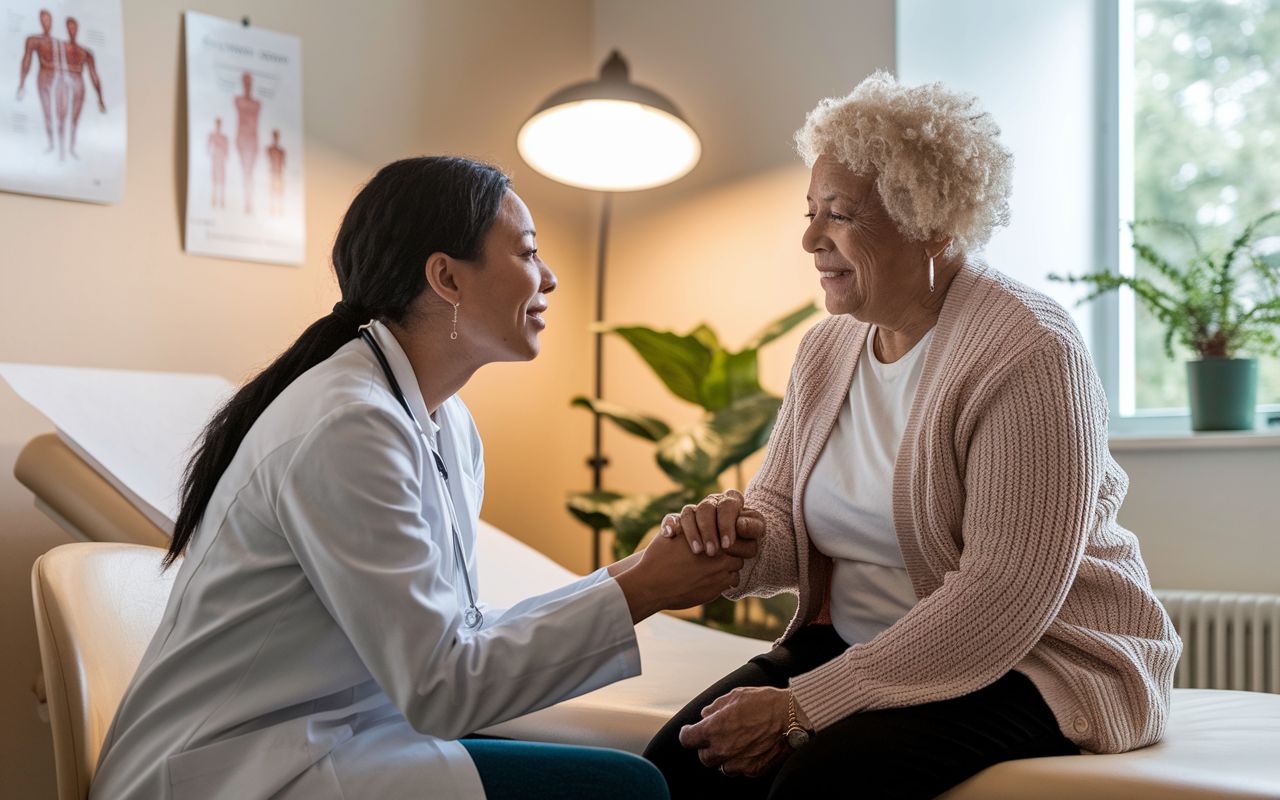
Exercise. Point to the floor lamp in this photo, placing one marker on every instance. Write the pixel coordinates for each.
(608, 135)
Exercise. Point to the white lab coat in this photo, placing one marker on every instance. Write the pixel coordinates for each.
(313, 644)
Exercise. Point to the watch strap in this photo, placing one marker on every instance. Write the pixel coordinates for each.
(796, 734)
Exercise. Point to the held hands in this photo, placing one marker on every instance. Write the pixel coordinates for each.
(667, 575)
(742, 732)
(720, 522)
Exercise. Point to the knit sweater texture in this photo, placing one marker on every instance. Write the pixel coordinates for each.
(1004, 501)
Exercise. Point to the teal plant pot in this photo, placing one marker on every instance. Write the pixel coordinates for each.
(1223, 393)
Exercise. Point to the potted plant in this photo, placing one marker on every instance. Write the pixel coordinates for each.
(1219, 305)
(739, 415)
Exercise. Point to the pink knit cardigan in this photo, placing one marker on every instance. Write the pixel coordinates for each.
(1004, 502)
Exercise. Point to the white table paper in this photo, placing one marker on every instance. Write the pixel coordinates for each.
(134, 428)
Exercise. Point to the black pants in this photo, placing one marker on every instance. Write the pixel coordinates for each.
(914, 752)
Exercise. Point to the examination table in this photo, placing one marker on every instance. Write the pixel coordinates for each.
(109, 475)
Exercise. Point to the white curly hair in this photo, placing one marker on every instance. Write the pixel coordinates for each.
(939, 165)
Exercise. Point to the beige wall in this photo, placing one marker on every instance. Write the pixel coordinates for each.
(109, 286)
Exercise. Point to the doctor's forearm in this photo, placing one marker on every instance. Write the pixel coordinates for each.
(618, 567)
(642, 600)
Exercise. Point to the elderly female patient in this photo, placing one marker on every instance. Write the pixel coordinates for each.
(938, 491)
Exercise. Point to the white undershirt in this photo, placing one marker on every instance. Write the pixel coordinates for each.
(848, 501)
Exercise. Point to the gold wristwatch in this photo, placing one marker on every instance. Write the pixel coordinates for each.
(797, 735)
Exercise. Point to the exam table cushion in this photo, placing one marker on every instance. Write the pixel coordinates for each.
(89, 507)
(1219, 744)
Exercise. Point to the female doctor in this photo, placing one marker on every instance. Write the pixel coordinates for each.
(324, 638)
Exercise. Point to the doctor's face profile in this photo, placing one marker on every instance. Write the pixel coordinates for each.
(502, 298)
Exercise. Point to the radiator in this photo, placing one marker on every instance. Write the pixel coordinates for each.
(1231, 640)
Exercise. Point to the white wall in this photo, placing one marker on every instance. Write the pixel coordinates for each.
(1034, 67)
(1206, 519)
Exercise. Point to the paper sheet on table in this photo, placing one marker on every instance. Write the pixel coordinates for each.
(134, 428)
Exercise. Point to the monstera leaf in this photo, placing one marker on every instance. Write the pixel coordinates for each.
(641, 425)
(681, 362)
(696, 456)
(731, 376)
(697, 368)
(780, 326)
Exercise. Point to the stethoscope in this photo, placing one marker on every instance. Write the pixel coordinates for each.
(472, 618)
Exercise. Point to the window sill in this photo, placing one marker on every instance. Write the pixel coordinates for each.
(1216, 440)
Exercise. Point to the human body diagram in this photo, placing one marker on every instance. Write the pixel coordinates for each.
(60, 82)
(247, 109)
(275, 159)
(218, 150)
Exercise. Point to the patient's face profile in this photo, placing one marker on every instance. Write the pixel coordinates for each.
(502, 299)
(867, 267)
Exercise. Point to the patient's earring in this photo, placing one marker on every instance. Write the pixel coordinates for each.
(454, 335)
(931, 273)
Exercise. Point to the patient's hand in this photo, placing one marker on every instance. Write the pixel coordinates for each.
(742, 731)
(720, 522)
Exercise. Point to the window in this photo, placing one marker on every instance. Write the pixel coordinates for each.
(1206, 151)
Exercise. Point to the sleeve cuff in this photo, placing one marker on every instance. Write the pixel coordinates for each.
(827, 694)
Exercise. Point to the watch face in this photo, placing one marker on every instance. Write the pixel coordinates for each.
(797, 738)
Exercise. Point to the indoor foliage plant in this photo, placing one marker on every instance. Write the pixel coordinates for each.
(739, 415)
(1218, 304)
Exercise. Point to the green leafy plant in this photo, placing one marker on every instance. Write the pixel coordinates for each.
(739, 417)
(1217, 304)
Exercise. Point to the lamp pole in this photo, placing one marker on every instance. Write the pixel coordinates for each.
(597, 461)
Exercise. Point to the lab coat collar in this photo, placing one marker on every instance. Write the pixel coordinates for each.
(403, 370)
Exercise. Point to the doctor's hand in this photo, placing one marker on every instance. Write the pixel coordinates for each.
(669, 575)
(720, 522)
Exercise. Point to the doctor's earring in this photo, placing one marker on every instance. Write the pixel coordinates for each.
(454, 335)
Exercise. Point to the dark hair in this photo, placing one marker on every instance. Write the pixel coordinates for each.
(408, 211)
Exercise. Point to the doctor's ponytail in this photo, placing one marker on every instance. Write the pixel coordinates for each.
(408, 211)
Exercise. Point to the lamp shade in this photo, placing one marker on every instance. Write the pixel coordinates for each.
(610, 135)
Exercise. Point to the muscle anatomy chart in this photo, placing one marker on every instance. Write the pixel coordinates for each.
(244, 112)
(62, 131)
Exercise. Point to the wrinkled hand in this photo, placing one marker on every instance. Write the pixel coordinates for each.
(720, 522)
(742, 732)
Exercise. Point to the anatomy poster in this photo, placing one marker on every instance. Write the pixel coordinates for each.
(62, 122)
(244, 142)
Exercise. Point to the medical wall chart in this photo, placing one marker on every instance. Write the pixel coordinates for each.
(245, 197)
(62, 121)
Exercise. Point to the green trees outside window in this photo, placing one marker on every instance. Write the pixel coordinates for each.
(1206, 152)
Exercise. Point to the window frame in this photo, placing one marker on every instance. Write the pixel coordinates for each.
(1115, 314)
